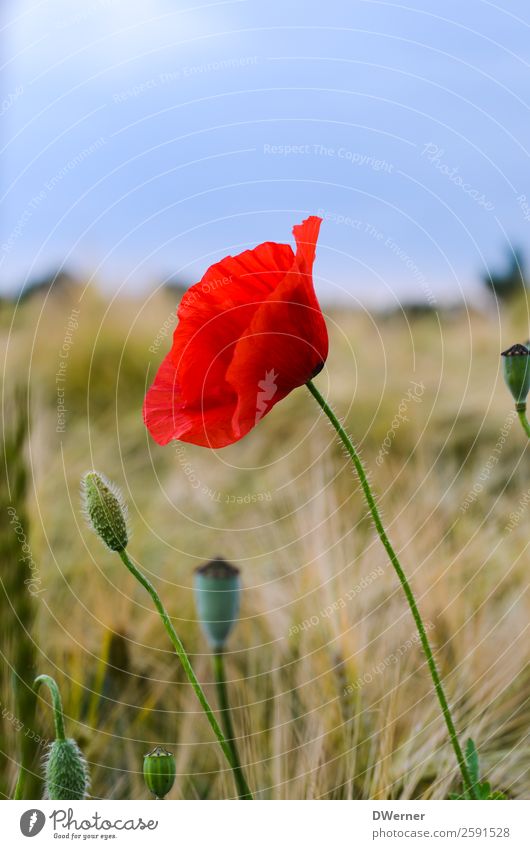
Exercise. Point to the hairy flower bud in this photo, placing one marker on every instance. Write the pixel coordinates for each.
(65, 771)
(105, 510)
(159, 771)
(217, 595)
(516, 366)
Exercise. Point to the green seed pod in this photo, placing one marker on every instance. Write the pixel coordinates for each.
(159, 771)
(217, 595)
(516, 365)
(65, 771)
(105, 510)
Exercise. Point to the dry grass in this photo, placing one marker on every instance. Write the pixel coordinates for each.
(342, 708)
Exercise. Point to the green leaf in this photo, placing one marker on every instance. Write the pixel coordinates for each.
(484, 790)
(472, 760)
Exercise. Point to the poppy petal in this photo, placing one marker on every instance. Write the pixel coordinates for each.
(167, 417)
(285, 343)
(249, 332)
(215, 312)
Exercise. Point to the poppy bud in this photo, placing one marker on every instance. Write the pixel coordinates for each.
(159, 771)
(217, 592)
(105, 510)
(65, 771)
(516, 365)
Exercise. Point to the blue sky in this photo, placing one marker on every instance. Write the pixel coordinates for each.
(146, 140)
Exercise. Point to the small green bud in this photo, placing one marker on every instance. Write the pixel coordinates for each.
(159, 771)
(217, 595)
(65, 771)
(516, 365)
(105, 510)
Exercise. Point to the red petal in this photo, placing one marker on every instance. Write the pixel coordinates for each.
(215, 312)
(249, 332)
(167, 417)
(285, 342)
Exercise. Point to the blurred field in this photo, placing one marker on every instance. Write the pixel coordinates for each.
(338, 707)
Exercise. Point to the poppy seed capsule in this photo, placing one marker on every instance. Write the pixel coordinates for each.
(516, 367)
(159, 771)
(65, 771)
(217, 595)
(105, 510)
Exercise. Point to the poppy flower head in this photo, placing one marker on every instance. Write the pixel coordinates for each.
(248, 333)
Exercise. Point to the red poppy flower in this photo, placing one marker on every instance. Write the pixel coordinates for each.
(249, 332)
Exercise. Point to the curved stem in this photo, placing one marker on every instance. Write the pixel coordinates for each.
(521, 412)
(226, 719)
(188, 669)
(58, 722)
(56, 703)
(372, 506)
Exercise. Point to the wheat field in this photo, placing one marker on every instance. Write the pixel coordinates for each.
(331, 694)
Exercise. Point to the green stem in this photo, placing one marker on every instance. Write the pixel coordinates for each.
(21, 783)
(521, 412)
(370, 500)
(58, 721)
(25, 701)
(188, 669)
(56, 703)
(226, 719)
